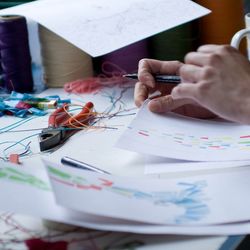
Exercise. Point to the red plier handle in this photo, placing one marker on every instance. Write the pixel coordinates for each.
(52, 136)
(58, 116)
(81, 118)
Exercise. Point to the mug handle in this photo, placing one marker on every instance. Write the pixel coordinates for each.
(236, 39)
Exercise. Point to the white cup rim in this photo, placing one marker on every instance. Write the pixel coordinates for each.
(236, 39)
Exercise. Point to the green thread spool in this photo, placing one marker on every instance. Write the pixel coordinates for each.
(7, 4)
(175, 43)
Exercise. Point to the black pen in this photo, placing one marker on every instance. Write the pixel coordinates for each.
(82, 165)
(172, 79)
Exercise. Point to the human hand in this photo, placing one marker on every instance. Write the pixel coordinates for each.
(164, 102)
(218, 78)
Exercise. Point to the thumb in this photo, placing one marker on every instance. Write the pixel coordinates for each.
(167, 103)
(184, 90)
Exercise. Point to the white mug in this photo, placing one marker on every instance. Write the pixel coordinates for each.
(238, 36)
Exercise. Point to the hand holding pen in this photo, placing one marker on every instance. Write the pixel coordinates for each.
(148, 83)
(148, 71)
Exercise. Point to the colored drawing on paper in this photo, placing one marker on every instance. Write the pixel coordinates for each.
(189, 197)
(20, 177)
(241, 142)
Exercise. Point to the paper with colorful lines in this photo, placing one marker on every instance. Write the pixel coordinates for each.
(27, 190)
(198, 200)
(175, 136)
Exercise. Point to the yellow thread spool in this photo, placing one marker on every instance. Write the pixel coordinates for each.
(62, 62)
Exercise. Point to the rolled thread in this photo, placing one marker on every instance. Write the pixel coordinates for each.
(226, 18)
(62, 62)
(124, 60)
(175, 43)
(7, 4)
(15, 54)
(80, 86)
(246, 6)
(94, 84)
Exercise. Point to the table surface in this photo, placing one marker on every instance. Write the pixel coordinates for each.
(16, 228)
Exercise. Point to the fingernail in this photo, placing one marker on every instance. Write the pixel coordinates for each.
(155, 105)
(149, 82)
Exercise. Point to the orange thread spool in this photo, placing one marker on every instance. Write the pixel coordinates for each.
(226, 18)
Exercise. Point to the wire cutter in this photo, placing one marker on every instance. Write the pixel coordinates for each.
(61, 125)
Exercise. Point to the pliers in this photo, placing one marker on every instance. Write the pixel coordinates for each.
(61, 125)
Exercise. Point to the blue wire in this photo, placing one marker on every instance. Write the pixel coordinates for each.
(15, 125)
(18, 142)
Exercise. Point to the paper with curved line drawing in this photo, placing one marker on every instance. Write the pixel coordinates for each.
(99, 26)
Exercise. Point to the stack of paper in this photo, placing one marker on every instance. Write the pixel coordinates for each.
(193, 206)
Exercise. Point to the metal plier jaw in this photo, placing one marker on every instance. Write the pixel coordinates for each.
(57, 132)
(50, 138)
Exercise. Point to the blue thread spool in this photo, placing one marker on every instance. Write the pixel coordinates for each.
(15, 54)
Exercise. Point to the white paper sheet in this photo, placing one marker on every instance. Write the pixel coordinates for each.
(161, 165)
(200, 200)
(99, 26)
(26, 191)
(185, 138)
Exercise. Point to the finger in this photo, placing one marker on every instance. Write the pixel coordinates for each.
(149, 67)
(198, 58)
(185, 90)
(217, 49)
(159, 67)
(166, 104)
(140, 93)
(190, 73)
(210, 48)
(145, 72)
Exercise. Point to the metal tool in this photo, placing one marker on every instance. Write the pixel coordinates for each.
(61, 126)
(68, 161)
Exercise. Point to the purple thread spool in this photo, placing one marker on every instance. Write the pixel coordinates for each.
(15, 55)
(126, 59)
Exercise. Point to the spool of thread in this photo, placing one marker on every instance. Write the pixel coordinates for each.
(15, 54)
(174, 44)
(226, 18)
(124, 60)
(7, 4)
(246, 6)
(62, 62)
